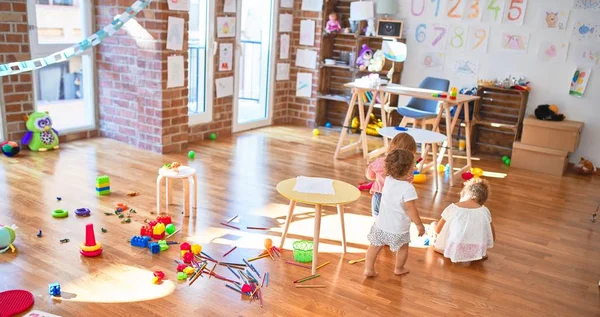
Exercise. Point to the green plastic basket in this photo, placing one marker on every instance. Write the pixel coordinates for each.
(303, 251)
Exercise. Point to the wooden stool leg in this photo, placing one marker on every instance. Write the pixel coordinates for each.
(158, 181)
(186, 197)
(340, 210)
(195, 192)
(434, 150)
(169, 193)
(316, 235)
(288, 219)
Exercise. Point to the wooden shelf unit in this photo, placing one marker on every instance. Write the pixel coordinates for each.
(333, 98)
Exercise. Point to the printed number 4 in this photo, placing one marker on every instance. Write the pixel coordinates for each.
(493, 6)
(513, 6)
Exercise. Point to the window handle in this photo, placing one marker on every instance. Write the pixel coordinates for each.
(214, 48)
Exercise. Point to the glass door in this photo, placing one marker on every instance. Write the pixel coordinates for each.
(65, 90)
(200, 74)
(254, 64)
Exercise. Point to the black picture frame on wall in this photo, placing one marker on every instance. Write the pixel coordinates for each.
(390, 28)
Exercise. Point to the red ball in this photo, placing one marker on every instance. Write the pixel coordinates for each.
(467, 176)
(246, 288)
(159, 274)
(185, 246)
(188, 257)
(181, 267)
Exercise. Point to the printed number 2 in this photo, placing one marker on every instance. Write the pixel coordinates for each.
(451, 13)
(493, 6)
(517, 9)
(420, 35)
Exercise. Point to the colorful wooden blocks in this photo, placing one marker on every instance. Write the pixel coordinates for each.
(103, 185)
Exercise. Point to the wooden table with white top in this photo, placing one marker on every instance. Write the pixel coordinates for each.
(461, 102)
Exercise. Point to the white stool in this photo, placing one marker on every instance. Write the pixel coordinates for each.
(188, 176)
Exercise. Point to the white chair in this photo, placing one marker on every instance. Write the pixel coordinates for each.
(189, 178)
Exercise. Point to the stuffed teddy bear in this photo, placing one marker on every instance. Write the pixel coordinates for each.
(364, 58)
(376, 64)
(585, 167)
(548, 112)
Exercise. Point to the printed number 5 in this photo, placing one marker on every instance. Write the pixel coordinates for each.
(513, 6)
(420, 35)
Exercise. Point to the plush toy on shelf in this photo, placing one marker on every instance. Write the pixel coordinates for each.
(40, 137)
(548, 112)
(364, 58)
(377, 62)
(333, 25)
(370, 29)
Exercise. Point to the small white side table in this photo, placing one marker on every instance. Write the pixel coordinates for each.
(420, 136)
(189, 178)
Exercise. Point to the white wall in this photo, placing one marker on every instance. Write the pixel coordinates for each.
(550, 82)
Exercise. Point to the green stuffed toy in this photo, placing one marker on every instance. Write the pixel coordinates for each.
(41, 136)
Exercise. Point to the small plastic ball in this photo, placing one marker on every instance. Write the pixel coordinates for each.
(268, 243)
(191, 154)
(246, 288)
(196, 249)
(170, 228)
(447, 168)
(212, 136)
(188, 257)
(507, 162)
(467, 176)
(441, 168)
(185, 246)
(504, 158)
(10, 148)
(419, 178)
(328, 125)
(477, 172)
(316, 132)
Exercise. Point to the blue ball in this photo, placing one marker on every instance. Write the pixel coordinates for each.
(10, 148)
(328, 125)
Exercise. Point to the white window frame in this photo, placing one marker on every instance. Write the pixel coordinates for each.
(3, 132)
(211, 45)
(88, 64)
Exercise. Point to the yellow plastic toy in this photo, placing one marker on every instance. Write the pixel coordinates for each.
(477, 172)
(419, 178)
(196, 249)
(316, 132)
(372, 127)
(441, 168)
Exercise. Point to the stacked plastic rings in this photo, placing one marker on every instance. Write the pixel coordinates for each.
(82, 212)
(60, 213)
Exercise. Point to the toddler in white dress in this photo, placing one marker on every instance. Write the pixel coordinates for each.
(397, 209)
(465, 231)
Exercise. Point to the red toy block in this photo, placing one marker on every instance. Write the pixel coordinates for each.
(181, 267)
(147, 231)
(164, 219)
(152, 223)
(158, 236)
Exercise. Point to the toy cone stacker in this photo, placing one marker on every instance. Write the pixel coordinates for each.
(90, 248)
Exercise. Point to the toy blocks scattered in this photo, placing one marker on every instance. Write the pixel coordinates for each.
(140, 241)
(54, 289)
(158, 232)
(164, 220)
(154, 247)
(181, 276)
(163, 245)
(103, 185)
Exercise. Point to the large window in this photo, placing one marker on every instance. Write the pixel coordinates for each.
(200, 61)
(65, 89)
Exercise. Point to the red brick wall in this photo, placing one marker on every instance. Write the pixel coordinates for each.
(17, 90)
(134, 104)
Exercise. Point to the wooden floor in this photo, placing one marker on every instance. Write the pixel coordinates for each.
(545, 262)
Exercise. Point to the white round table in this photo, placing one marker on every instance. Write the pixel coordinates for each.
(188, 176)
(420, 136)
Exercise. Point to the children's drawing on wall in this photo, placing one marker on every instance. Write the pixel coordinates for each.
(229, 6)
(225, 57)
(285, 22)
(312, 5)
(585, 31)
(579, 81)
(433, 60)
(179, 5)
(554, 51)
(593, 5)
(225, 27)
(224, 87)
(283, 71)
(284, 46)
(175, 33)
(303, 85)
(553, 18)
(307, 32)
(175, 71)
(586, 55)
(513, 42)
(465, 68)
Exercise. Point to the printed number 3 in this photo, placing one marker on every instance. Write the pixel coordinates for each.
(513, 6)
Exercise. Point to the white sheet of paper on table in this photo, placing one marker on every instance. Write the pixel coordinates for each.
(314, 185)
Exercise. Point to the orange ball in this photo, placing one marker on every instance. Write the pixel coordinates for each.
(268, 243)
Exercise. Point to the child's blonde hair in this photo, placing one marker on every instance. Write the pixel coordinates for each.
(476, 189)
(403, 141)
(398, 163)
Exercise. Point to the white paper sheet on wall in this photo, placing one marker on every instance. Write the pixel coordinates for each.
(553, 18)
(285, 22)
(579, 81)
(229, 6)
(175, 33)
(306, 58)
(433, 60)
(586, 55)
(465, 68)
(304, 85)
(514, 42)
(592, 5)
(586, 31)
(175, 71)
(224, 87)
(225, 27)
(284, 46)
(225, 57)
(479, 36)
(312, 5)
(283, 71)
(307, 32)
(554, 51)
(287, 4)
(179, 5)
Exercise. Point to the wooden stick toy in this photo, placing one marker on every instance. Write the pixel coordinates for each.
(322, 265)
(250, 274)
(233, 218)
(300, 265)
(304, 279)
(206, 255)
(255, 270)
(233, 288)
(356, 261)
(258, 257)
(232, 264)
(263, 280)
(257, 228)
(172, 234)
(260, 296)
(232, 271)
(224, 255)
(195, 277)
(230, 226)
(267, 279)
(211, 271)
(310, 286)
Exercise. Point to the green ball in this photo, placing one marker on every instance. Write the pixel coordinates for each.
(170, 228)
(504, 158)
(191, 154)
(213, 136)
(507, 162)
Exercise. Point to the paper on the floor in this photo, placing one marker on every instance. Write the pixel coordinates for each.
(314, 185)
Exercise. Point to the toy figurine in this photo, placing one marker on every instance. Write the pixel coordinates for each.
(453, 93)
(364, 58)
(40, 137)
(370, 29)
(333, 25)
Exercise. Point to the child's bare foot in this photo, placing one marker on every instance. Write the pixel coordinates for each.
(370, 273)
(401, 271)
